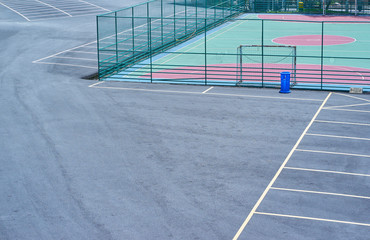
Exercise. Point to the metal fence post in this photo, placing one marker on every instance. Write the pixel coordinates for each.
(133, 31)
(150, 48)
(116, 29)
(262, 26)
(97, 46)
(322, 52)
(205, 51)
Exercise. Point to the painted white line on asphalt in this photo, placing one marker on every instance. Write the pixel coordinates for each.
(60, 10)
(323, 193)
(41, 59)
(351, 105)
(335, 153)
(207, 90)
(95, 5)
(20, 14)
(348, 123)
(67, 64)
(311, 218)
(327, 171)
(95, 84)
(350, 96)
(216, 94)
(253, 211)
(348, 110)
(335, 136)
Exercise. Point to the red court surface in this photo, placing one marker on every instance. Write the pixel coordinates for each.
(318, 18)
(305, 73)
(313, 40)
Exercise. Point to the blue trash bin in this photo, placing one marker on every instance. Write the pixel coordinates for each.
(285, 82)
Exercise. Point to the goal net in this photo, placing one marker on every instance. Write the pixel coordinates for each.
(258, 64)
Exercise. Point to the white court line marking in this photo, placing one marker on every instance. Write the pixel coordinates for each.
(253, 211)
(95, 5)
(334, 153)
(15, 11)
(207, 89)
(348, 123)
(352, 105)
(335, 136)
(217, 94)
(316, 192)
(315, 219)
(68, 64)
(348, 110)
(327, 171)
(350, 96)
(54, 7)
(95, 84)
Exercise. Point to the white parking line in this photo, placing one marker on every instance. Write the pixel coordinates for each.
(347, 123)
(348, 110)
(316, 192)
(254, 209)
(335, 136)
(326, 171)
(15, 11)
(54, 7)
(311, 218)
(335, 153)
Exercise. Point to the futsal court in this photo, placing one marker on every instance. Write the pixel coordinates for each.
(33, 10)
(329, 55)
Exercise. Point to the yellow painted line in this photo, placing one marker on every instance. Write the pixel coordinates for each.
(279, 171)
(315, 219)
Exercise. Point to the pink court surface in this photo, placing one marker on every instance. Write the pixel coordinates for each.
(316, 18)
(313, 40)
(305, 73)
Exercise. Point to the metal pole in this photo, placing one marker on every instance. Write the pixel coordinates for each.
(150, 48)
(205, 51)
(322, 52)
(162, 22)
(174, 20)
(97, 45)
(133, 31)
(262, 51)
(323, 7)
(356, 7)
(115, 22)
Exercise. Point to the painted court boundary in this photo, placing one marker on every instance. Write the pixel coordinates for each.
(204, 92)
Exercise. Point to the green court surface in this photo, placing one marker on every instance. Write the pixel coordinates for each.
(211, 58)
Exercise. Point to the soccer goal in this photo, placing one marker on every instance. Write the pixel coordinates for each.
(262, 64)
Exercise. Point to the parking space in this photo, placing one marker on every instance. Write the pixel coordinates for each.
(32, 10)
(322, 188)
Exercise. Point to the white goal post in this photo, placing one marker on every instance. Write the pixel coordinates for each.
(265, 62)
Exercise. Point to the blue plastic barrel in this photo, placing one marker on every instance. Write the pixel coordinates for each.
(285, 82)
